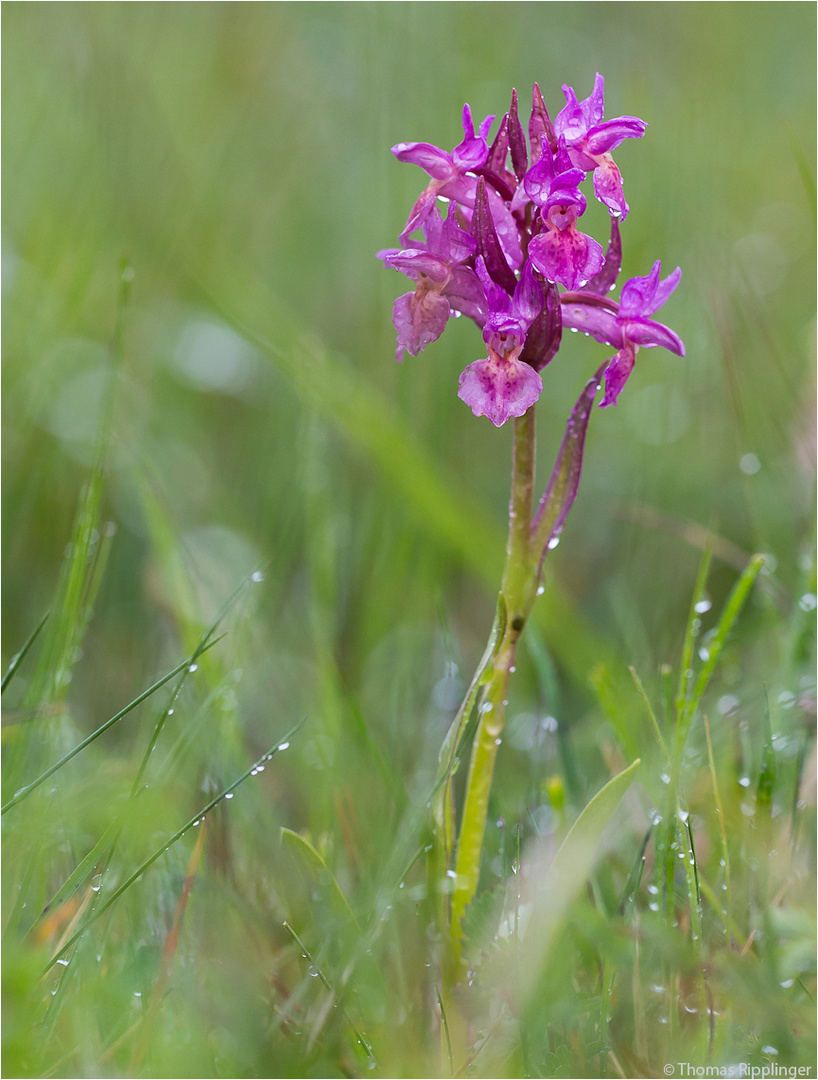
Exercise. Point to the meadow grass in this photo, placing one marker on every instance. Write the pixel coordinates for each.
(250, 564)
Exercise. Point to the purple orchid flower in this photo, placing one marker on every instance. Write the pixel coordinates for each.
(625, 325)
(443, 285)
(590, 140)
(501, 385)
(447, 170)
(561, 252)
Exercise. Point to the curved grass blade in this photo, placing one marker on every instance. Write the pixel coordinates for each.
(18, 658)
(24, 791)
(578, 849)
(311, 859)
(195, 820)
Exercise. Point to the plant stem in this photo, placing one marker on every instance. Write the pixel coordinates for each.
(520, 581)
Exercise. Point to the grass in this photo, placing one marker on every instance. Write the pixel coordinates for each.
(232, 523)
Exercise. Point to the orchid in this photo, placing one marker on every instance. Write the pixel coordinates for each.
(451, 173)
(590, 140)
(626, 325)
(510, 241)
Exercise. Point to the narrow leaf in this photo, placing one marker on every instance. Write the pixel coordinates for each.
(562, 487)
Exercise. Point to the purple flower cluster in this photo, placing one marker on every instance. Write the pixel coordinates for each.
(510, 237)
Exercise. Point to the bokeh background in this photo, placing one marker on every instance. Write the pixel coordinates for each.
(236, 156)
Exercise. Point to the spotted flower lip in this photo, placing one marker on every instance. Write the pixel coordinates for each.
(590, 140)
(443, 283)
(501, 385)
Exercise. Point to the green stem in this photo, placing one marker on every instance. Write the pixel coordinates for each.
(520, 581)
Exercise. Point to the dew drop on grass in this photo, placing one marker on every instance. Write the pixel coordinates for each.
(170, 712)
(653, 890)
(498, 742)
(553, 542)
(260, 768)
(664, 778)
(193, 667)
(257, 576)
(229, 795)
(744, 781)
(540, 590)
(64, 963)
(653, 906)
(702, 606)
(786, 984)
(282, 746)
(808, 602)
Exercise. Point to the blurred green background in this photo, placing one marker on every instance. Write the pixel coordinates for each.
(237, 156)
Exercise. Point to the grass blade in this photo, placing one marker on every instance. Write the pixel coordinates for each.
(195, 820)
(18, 658)
(24, 791)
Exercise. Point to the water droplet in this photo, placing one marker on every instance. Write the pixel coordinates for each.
(64, 963)
(193, 667)
(704, 653)
(574, 330)
(195, 822)
(170, 712)
(749, 464)
(260, 768)
(282, 746)
(257, 576)
(653, 890)
(486, 707)
(786, 984)
(786, 699)
(229, 795)
(653, 905)
(498, 742)
(664, 778)
(769, 1050)
(553, 542)
(540, 590)
(702, 606)
(451, 874)
(744, 781)
(512, 669)
(726, 704)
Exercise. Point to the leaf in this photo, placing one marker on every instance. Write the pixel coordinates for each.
(551, 890)
(562, 487)
(578, 850)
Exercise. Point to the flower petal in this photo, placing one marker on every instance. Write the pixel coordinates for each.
(616, 374)
(568, 257)
(647, 333)
(595, 320)
(419, 319)
(499, 388)
(608, 186)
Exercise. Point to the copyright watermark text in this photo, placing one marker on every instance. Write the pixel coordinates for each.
(739, 1070)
